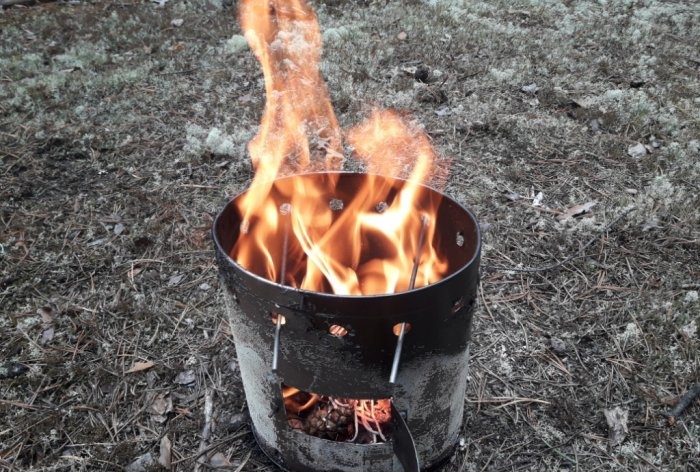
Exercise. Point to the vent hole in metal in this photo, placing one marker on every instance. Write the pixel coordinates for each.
(274, 317)
(337, 331)
(457, 305)
(459, 239)
(397, 328)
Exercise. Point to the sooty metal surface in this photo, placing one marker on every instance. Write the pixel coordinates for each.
(431, 382)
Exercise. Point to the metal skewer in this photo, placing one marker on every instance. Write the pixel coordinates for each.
(285, 210)
(411, 285)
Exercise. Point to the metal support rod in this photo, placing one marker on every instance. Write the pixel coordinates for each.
(411, 285)
(285, 210)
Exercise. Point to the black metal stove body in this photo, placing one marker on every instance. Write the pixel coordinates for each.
(431, 382)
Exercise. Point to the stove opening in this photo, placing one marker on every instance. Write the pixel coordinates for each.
(359, 421)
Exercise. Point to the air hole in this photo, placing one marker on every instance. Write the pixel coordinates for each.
(381, 207)
(460, 239)
(457, 305)
(337, 331)
(397, 328)
(336, 204)
(283, 320)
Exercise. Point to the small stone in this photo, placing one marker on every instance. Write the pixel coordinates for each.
(637, 151)
(239, 420)
(558, 346)
(118, 229)
(530, 88)
(402, 36)
(422, 74)
(177, 22)
(12, 370)
(462, 444)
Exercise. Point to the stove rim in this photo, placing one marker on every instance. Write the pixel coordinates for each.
(332, 296)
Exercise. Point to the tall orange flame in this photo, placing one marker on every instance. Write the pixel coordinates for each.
(362, 249)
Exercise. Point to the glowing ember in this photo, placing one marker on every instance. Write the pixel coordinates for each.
(360, 247)
(362, 421)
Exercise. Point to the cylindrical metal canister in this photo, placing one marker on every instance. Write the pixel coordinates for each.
(430, 387)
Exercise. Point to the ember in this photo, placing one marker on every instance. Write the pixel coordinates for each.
(362, 421)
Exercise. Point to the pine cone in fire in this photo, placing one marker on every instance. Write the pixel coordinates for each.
(330, 421)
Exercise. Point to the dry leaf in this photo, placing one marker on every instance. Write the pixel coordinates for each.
(219, 460)
(617, 425)
(141, 464)
(139, 366)
(162, 404)
(47, 336)
(537, 201)
(166, 452)
(177, 47)
(185, 377)
(576, 210)
(46, 313)
(531, 89)
(513, 196)
(175, 279)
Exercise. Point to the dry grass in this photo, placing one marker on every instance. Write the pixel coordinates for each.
(111, 176)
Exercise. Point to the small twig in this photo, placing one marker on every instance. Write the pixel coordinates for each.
(218, 443)
(206, 430)
(573, 256)
(686, 400)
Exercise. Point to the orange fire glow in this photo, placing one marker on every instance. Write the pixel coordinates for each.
(371, 416)
(329, 249)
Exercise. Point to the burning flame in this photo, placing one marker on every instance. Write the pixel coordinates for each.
(373, 243)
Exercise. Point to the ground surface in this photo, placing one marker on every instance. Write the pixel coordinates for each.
(121, 136)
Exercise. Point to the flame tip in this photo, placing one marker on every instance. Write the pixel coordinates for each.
(369, 247)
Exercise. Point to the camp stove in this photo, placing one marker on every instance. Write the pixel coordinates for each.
(347, 382)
